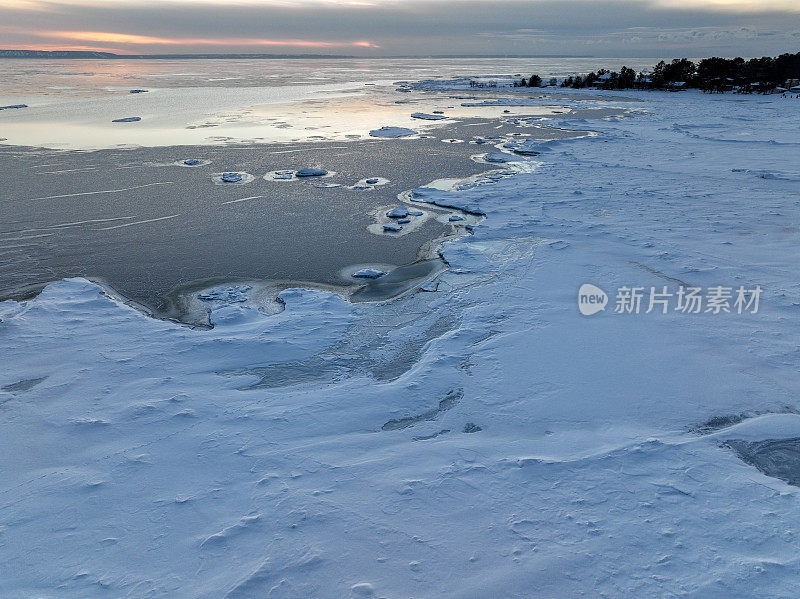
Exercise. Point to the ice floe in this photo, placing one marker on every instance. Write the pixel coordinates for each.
(231, 294)
(392, 132)
(528, 147)
(192, 162)
(428, 117)
(232, 178)
(500, 157)
(370, 183)
(368, 273)
(311, 172)
(302, 174)
(398, 212)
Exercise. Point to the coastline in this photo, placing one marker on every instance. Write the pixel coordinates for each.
(150, 184)
(337, 448)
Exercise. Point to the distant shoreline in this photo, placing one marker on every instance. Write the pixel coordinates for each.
(81, 54)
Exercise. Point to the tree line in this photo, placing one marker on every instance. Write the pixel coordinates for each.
(764, 75)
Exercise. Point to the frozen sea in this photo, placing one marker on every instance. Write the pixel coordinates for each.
(141, 205)
(475, 437)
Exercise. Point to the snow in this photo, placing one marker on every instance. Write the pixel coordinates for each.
(398, 212)
(500, 157)
(231, 177)
(506, 102)
(527, 147)
(392, 132)
(424, 194)
(368, 273)
(481, 439)
(231, 294)
(311, 172)
(428, 117)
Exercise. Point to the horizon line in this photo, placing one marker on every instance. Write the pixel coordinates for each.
(30, 53)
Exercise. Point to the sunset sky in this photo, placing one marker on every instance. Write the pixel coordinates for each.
(406, 27)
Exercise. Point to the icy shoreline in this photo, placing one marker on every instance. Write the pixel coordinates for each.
(145, 238)
(480, 438)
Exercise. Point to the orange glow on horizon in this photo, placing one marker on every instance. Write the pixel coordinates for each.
(127, 38)
(56, 47)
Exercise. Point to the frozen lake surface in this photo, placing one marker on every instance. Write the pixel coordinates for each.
(148, 224)
(476, 437)
(206, 187)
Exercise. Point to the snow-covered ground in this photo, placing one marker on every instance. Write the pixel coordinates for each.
(479, 439)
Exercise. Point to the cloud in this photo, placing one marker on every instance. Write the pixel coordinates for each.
(410, 27)
(127, 38)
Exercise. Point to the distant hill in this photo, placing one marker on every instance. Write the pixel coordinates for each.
(87, 54)
(54, 54)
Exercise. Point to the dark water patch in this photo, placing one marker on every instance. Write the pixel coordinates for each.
(449, 401)
(23, 385)
(778, 458)
(717, 423)
(312, 370)
(398, 281)
(146, 226)
(444, 431)
(660, 274)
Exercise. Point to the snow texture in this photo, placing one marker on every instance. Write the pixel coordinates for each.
(482, 439)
